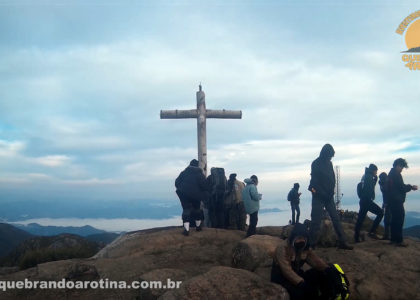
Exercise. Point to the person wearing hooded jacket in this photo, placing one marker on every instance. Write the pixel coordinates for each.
(366, 203)
(397, 190)
(322, 186)
(319, 282)
(251, 200)
(191, 188)
(293, 197)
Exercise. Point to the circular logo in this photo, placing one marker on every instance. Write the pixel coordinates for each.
(412, 36)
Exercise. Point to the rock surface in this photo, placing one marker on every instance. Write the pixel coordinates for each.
(227, 283)
(221, 264)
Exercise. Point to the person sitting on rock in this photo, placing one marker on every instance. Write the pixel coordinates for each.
(322, 281)
(367, 196)
(191, 188)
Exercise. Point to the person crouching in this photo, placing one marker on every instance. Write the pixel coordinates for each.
(322, 281)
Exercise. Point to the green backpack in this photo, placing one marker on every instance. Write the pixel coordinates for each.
(341, 283)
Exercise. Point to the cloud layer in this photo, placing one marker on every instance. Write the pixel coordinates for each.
(80, 97)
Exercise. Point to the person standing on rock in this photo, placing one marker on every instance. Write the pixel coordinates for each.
(322, 186)
(191, 188)
(234, 206)
(385, 206)
(320, 282)
(293, 197)
(397, 191)
(251, 200)
(366, 203)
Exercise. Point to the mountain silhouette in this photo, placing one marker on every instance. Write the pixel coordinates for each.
(10, 237)
(416, 49)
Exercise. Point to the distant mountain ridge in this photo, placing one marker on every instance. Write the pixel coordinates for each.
(10, 237)
(50, 248)
(36, 229)
(413, 231)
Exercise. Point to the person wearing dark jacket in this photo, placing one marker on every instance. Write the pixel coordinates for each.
(319, 282)
(366, 203)
(385, 206)
(322, 186)
(191, 188)
(293, 197)
(397, 191)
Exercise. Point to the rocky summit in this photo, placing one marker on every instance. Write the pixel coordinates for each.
(221, 264)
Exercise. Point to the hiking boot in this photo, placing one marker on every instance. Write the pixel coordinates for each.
(402, 244)
(344, 246)
(373, 236)
(385, 238)
(198, 228)
(186, 232)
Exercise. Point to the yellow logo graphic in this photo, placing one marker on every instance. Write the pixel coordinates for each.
(412, 40)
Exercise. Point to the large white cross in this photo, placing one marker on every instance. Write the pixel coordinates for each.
(201, 113)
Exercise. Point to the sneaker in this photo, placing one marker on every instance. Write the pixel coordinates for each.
(185, 232)
(402, 244)
(198, 228)
(385, 238)
(344, 246)
(373, 236)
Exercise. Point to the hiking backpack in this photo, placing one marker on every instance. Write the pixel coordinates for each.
(289, 196)
(360, 189)
(219, 181)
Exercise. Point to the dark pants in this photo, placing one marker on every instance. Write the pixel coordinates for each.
(318, 204)
(217, 211)
(317, 282)
(387, 220)
(397, 221)
(295, 207)
(366, 206)
(253, 220)
(235, 216)
(191, 210)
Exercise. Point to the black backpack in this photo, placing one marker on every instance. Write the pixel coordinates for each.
(289, 196)
(360, 189)
(219, 181)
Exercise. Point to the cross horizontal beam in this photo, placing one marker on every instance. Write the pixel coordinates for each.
(192, 114)
(179, 114)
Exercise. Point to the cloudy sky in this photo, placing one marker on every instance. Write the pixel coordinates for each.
(82, 84)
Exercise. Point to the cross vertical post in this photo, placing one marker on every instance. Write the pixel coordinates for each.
(201, 130)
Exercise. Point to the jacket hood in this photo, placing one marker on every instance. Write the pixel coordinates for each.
(327, 152)
(192, 168)
(382, 178)
(299, 230)
(249, 181)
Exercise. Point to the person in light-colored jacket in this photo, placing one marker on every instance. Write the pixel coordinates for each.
(251, 200)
